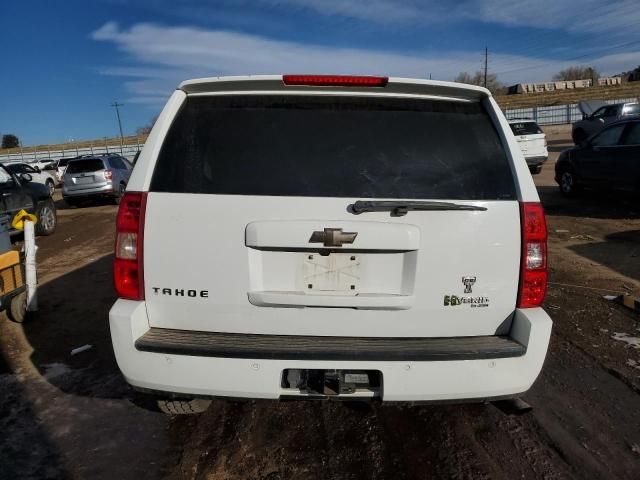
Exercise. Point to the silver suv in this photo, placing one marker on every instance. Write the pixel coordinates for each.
(330, 236)
(98, 176)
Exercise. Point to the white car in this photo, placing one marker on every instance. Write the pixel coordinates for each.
(330, 236)
(43, 163)
(37, 175)
(532, 141)
(61, 167)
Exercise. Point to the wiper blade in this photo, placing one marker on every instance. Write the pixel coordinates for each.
(398, 208)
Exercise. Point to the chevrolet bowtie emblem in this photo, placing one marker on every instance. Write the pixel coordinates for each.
(333, 237)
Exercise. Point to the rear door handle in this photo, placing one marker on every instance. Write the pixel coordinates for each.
(6, 194)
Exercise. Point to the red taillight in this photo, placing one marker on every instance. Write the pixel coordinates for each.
(533, 263)
(335, 80)
(108, 174)
(128, 273)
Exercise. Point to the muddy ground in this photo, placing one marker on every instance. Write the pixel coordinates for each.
(65, 416)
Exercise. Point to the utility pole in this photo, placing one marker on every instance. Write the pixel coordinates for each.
(116, 105)
(486, 62)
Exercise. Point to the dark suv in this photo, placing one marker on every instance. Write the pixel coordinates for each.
(597, 115)
(18, 192)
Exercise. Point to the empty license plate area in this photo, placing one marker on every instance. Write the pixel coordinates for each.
(83, 180)
(337, 272)
(332, 382)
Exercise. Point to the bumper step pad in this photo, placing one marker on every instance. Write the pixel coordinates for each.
(295, 347)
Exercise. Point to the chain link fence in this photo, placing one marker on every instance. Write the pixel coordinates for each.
(86, 148)
(554, 114)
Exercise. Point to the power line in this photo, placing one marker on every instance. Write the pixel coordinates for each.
(571, 59)
(538, 42)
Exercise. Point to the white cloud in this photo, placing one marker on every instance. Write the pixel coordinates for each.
(373, 10)
(168, 55)
(578, 16)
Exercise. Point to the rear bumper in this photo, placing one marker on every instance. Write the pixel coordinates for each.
(104, 190)
(408, 379)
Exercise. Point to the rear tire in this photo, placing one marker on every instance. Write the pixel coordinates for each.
(47, 218)
(18, 308)
(183, 407)
(536, 170)
(117, 197)
(568, 184)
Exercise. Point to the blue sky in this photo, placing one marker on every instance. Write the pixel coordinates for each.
(65, 62)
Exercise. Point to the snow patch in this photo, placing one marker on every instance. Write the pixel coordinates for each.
(624, 337)
(52, 370)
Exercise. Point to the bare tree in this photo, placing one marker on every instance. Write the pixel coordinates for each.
(578, 73)
(147, 128)
(477, 78)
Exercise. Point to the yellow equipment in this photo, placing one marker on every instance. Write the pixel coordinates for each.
(20, 217)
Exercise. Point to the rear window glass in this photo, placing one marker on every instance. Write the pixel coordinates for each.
(525, 128)
(334, 147)
(84, 166)
(64, 161)
(632, 109)
(16, 168)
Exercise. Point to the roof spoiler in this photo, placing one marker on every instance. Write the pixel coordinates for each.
(275, 83)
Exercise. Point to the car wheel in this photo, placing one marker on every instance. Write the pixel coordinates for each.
(119, 193)
(578, 136)
(536, 170)
(18, 308)
(51, 186)
(568, 184)
(183, 407)
(47, 218)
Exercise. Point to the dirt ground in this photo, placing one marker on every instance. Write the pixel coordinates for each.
(64, 416)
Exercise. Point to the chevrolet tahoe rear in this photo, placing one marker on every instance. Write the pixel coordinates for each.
(330, 237)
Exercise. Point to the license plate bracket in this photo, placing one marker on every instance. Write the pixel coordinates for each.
(336, 272)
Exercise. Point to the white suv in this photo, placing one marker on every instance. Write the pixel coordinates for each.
(330, 236)
(532, 141)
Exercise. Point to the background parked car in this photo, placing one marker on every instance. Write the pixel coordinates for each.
(597, 115)
(609, 159)
(42, 163)
(97, 176)
(19, 192)
(532, 141)
(61, 166)
(37, 176)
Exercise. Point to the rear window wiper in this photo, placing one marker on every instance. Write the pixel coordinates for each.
(398, 208)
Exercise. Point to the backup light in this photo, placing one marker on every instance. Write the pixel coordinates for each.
(533, 262)
(128, 274)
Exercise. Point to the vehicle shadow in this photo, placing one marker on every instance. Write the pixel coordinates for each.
(78, 405)
(74, 312)
(589, 204)
(620, 252)
(558, 147)
(61, 204)
(26, 448)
